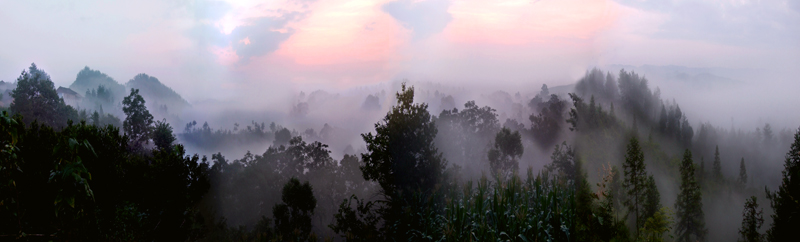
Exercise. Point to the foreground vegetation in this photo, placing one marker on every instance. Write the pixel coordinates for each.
(90, 180)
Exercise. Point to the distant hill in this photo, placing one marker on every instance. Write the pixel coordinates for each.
(157, 94)
(89, 79)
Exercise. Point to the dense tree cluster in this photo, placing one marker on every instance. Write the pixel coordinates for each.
(70, 175)
(465, 136)
(35, 98)
(547, 125)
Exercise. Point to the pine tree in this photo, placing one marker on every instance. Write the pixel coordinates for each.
(752, 220)
(742, 173)
(635, 182)
(717, 165)
(701, 174)
(691, 220)
(786, 200)
(652, 198)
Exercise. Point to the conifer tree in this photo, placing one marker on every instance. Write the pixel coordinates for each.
(652, 198)
(752, 220)
(717, 165)
(786, 200)
(691, 224)
(635, 181)
(742, 173)
(701, 173)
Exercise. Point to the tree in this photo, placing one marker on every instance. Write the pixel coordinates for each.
(701, 173)
(466, 135)
(401, 155)
(547, 124)
(635, 181)
(293, 216)
(162, 135)
(786, 200)
(717, 165)
(563, 161)
(691, 224)
(544, 92)
(282, 137)
(139, 123)
(657, 225)
(742, 173)
(752, 220)
(652, 202)
(35, 98)
(503, 156)
(769, 136)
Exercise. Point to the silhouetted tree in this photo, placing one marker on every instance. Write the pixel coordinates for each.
(717, 172)
(784, 201)
(35, 98)
(652, 201)
(401, 155)
(138, 124)
(636, 97)
(691, 224)
(282, 137)
(701, 172)
(503, 156)
(546, 126)
(162, 135)
(465, 135)
(544, 92)
(742, 173)
(635, 181)
(752, 220)
(563, 161)
(293, 216)
(769, 136)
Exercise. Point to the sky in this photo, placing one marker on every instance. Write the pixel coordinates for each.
(229, 49)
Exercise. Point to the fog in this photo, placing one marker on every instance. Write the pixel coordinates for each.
(235, 77)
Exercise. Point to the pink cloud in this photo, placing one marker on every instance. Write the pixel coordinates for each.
(356, 42)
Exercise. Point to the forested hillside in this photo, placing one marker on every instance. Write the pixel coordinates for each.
(621, 164)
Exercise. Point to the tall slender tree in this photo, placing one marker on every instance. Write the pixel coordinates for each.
(752, 219)
(138, 124)
(691, 224)
(701, 173)
(717, 173)
(635, 182)
(786, 200)
(403, 159)
(652, 202)
(742, 173)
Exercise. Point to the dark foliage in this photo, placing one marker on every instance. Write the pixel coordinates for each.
(786, 200)
(138, 125)
(505, 153)
(752, 219)
(691, 224)
(547, 125)
(35, 99)
(293, 216)
(81, 183)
